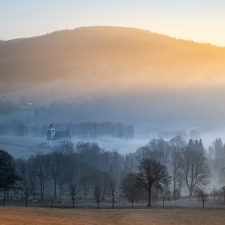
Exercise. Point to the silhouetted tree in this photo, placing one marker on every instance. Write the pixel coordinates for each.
(194, 167)
(176, 146)
(57, 164)
(73, 191)
(97, 193)
(40, 166)
(150, 172)
(203, 197)
(27, 179)
(129, 188)
(8, 175)
(112, 191)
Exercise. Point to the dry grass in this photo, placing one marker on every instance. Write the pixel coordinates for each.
(22, 216)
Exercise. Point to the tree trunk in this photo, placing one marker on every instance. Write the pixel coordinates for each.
(26, 202)
(3, 202)
(163, 201)
(113, 203)
(149, 197)
(41, 191)
(174, 188)
(55, 196)
(203, 204)
(73, 202)
(132, 204)
(190, 192)
(98, 203)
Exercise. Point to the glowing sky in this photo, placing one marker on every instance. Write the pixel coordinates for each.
(198, 20)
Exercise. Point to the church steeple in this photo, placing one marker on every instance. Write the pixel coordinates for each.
(50, 132)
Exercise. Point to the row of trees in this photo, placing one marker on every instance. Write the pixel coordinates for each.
(81, 130)
(93, 130)
(193, 134)
(161, 168)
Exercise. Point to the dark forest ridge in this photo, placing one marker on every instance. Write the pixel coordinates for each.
(54, 55)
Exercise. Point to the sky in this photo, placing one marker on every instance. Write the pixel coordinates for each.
(200, 21)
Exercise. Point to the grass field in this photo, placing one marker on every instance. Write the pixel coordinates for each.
(34, 215)
(22, 146)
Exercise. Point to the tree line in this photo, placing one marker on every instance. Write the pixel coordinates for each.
(193, 134)
(160, 169)
(81, 130)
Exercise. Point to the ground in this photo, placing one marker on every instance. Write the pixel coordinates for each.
(39, 216)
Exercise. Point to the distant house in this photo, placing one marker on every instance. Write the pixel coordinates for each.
(55, 138)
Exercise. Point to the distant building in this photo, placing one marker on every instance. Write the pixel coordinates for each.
(55, 138)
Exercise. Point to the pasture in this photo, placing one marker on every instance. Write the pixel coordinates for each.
(151, 216)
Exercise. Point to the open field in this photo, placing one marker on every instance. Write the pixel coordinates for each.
(22, 146)
(26, 146)
(22, 216)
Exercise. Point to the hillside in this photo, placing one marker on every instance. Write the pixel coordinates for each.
(55, 55)
(114, 74)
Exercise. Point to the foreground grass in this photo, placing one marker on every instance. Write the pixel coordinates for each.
(34, 215)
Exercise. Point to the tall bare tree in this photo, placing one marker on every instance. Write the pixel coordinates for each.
(150, 172)
(57, 164)
(98, 193)
(73, 191)
(196, 172)
(41, 169)
(27, 182)
(130, 189)
(203, 197)
(176, 145)
(112, 191)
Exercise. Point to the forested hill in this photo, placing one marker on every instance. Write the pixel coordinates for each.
(53, 55)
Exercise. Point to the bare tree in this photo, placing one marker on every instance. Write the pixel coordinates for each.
(194, 167)
(41, 169)
(150, 172)
(73, 191)
(98, 193)
(203, 197)
(57, 163)
(84, 185)
(165, 186)
(27, 179)
(28, 187)
(130, 188)
(112, 191)
(176, 145)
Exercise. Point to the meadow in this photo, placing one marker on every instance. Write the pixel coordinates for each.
(151, 216)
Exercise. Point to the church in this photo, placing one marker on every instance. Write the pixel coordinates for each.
(55, 138)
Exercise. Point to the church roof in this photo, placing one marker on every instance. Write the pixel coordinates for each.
(61, 135)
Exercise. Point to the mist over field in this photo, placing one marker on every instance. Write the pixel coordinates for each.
(85, 114)
(151, 81)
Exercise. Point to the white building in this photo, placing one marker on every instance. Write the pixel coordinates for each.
(55, 138)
